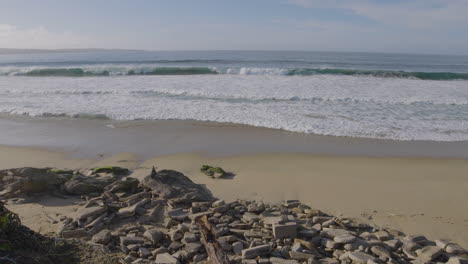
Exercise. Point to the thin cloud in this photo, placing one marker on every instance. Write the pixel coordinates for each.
(418, 14)
(40, 37)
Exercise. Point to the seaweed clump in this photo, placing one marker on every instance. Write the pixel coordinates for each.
(214, 172)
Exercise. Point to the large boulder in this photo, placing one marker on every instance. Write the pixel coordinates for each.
(170, 184)
(80, 184)
(30, 180)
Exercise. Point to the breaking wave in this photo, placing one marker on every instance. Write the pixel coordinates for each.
(131, 70)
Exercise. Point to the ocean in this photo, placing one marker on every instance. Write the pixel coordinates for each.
(366, 95)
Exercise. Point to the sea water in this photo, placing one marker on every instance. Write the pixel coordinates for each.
(389, 96)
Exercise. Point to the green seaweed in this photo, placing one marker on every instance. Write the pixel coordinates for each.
(213, 171)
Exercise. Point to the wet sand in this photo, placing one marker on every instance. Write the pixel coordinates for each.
(416, 187)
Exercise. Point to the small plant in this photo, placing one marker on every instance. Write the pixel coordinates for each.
(215, 172)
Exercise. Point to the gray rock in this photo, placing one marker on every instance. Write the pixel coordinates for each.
(88, 212)
(193, 247)
(80, 184)
(169, 184)
(189, 237)
(457, 260)
(333, 232)
(103, 237)
(328, 243)
(344, 239)
(360, 257)
(218, 203)
(154, 235)
(237, 248)
(300, 255)
(248, 216)
(254, 252)
(286, 230)
(275, 260)
(429, 253)
(327, 261)
(178, 214)
(77, 233)
(144, 252)
(124, 241)
(165, 258)
(381, 252)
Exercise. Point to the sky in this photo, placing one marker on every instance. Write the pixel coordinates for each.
(405, 26)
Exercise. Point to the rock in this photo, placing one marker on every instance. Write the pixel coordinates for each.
(256, 208)
(193, 247)
(111, 169)
(429, 253)
(77, 233)
(254, 252)
(381, 252)
(333, 232)
(89, 212)
(301, 255)
(189, 237)
(103, 237)
(275, 260)
(457, 260)
(15, 182)
(328, 243)
(286, 230)
(127, 185)
(327, 261)
(250, 217)
(144, 252)
(154, 235)
(178, 214)
(308, 233)
(454, 249)
(218, 203)
(320, 219)
(344, 239)
(237, 248)
(165, 258)
(80, 184)
(124, 241)
(169, 184)
(360, 257)
(382, 235)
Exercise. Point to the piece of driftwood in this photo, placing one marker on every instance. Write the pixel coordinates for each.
(212, 246)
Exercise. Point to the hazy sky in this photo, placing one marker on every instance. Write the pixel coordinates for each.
(423, 26)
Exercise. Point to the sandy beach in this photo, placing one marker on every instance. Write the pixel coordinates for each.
(419, 189)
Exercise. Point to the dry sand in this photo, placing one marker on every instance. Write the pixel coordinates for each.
(415, 195)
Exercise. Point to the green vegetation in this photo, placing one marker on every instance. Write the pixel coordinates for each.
(215, 172)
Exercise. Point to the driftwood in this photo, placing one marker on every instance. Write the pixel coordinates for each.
(212, 246)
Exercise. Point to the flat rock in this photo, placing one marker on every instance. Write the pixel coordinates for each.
(154, 235)
(85, 212)
(77, 233)
(165, 258)
(169, 184)
(360, 257)
(103, 237)
(344, 239)
(429, 253)
(286, 230)
(254, 252)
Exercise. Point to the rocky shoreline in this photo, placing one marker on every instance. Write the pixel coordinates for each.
(168, 219)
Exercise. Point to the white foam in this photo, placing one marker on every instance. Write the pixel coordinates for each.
(329, 105)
